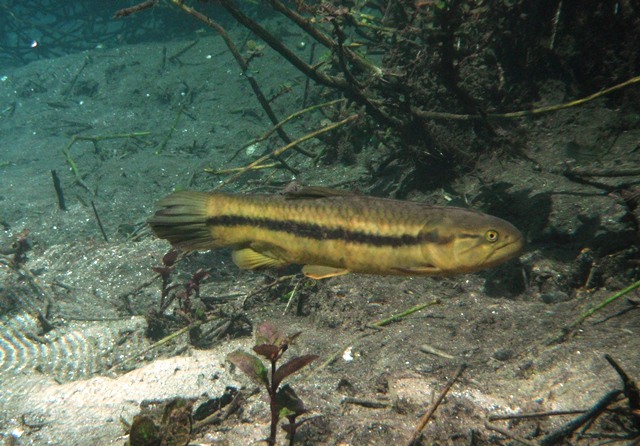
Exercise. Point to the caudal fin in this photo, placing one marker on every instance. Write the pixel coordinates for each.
(182, 220)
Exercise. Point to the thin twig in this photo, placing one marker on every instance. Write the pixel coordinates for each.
(427, 416)
(244, 66)
(95, 212)
(135, 8)
(58, 188)
(94, 139)
(371, 404)
(291, 297)
(162, 341)
(377, 325)
(239, 169)
(520, 114)
(630, 389)
(281, 150)
(69, 90)
(566, 331)
(399, 316)
(603, 173)
(269, 132)
(323, 39)
(279, 280)
(374, 108)
(228, 410)
(565, 431)
(554, 25)
(521, 416)
(278, 46)
(426, 348)
(508, 434)
(171, 131)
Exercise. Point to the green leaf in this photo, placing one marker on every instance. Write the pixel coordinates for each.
(285, 412)
(291, 367)
(251, 365)
(289, 402)
(144, 432)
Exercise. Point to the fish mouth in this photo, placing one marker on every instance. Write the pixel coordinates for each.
(499, 255)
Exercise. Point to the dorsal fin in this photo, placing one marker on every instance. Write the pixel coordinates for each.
(317, 192)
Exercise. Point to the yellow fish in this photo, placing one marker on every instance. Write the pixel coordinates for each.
(333, 232)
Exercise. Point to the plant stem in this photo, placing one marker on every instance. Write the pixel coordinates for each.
(292, 434)
(568, 330)
(604, 303)
(273, 403)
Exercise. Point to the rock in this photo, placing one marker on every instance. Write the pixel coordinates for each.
(554, 297)
(503, 354)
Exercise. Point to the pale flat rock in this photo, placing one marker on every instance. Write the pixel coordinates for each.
(87, 412)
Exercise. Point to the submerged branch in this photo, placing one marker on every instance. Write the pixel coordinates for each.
(281, 150)
(244, 66)
(373, 107)
(323, 39)
(278, 46)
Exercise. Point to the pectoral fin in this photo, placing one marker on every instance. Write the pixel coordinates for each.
(322, 272)
(247, 258)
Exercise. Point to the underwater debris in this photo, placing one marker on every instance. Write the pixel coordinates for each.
(173, 428)
(607, 412)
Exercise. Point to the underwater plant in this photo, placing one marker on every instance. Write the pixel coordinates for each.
(171, 291)
(271, 344)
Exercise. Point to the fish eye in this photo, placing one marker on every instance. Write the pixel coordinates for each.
(491, 236)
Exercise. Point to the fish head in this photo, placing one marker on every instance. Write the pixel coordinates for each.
(465, 241)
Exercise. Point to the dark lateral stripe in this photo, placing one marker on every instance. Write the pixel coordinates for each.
(318, 232)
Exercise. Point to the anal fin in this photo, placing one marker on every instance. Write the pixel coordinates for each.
(247, 258)
(425, 270)
(322, 272)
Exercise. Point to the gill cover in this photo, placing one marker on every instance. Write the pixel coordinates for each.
(471, 242)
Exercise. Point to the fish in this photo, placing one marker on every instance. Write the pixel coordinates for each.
(333, 232)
